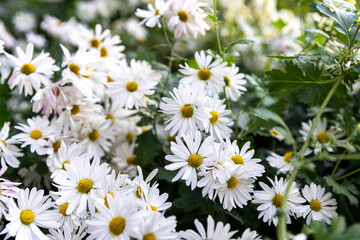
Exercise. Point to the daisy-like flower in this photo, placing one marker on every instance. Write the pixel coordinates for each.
(153, 201)
(24, 21)
(249, 235)
(186, 106)
(190, 158)
(79, 183)
(30, 213)
(276, 134)
(96, 142)
(209, 76)
(8, 151)
(271, 200)
(30, 73)
(218, 123)
(234, 83)
(35, 134)
(65, 234)
(118, 221)
(152, 16)
(131, 85)
(321, 206)
(156, 226)
(188, 18)
(236, 191)
(281, 162)
(93, 39)
(218, 232)
(322, 136)
(245, 157)
(8, 190)
(66, 153)
(124, 158)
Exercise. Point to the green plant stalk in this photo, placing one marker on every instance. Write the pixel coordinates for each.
(217, 31)
(347, 175)
(281, 228)
(338, 163)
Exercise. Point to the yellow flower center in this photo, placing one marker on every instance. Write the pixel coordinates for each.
(149, 236)
(131, 160)
(103, 52)
(131, 86)
(95, 43)
(27, 69)
(130, 136)
(85, 185)
(94, 135)
(35, 134)
(204, 74)
(187, 111)
(4, 144)
(139, 192)
(227, 81)
(27, 217)
(63, 208)
(157, 12)
(63, 165)
(273, 132)
(323, 137)
(277, 200)
(232, 182)
(117, 225)
(315, 205)
(171, 139)
(56, 146)
(74, 68)
(183, 15)
(195, 160)
(109, 79)
(237, 159)
(214, 117)
(110, 117)
(75, 109)
(105, 199)
(153, 208)
(287, 156)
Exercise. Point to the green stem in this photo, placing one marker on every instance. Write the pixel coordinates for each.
(346, 157)
(338, 163)
(165, 33)
(281, 228)
(217, 31)
(347, 175)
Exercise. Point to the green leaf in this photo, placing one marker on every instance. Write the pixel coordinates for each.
(189, 201)
(214, 18)
(147, 147)
(279, 24)
(302, 79)
(239, 41)
(346, 189)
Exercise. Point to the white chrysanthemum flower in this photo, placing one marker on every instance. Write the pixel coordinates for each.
(93, 39)
(8, 190)
(153, 201)
(322, 136)
(210, 75)
(97, 139)
(186, 108)
(276, 134)
(218, 232)
(236, 191)
(65, 234)
(66, 153)
(321, 206)
(132, 83)
(218, 123)
(249, 235)
(8, 151)
(234, 83)
(38, 40)
(188, 18)
(35, 134)
(153, 15)
(218, 172)
(272, 198)
(110, 51)
(191, 158)
(24, 21)
(30, 73)
(245, 157)
(282, 163)
(37, 175)
(124, 158)
(156, 226)
(30, 213)
(79, 183)
(118, 221)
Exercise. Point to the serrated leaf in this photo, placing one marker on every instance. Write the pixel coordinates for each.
(344, 189)
(267, 115)
(147, 147)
